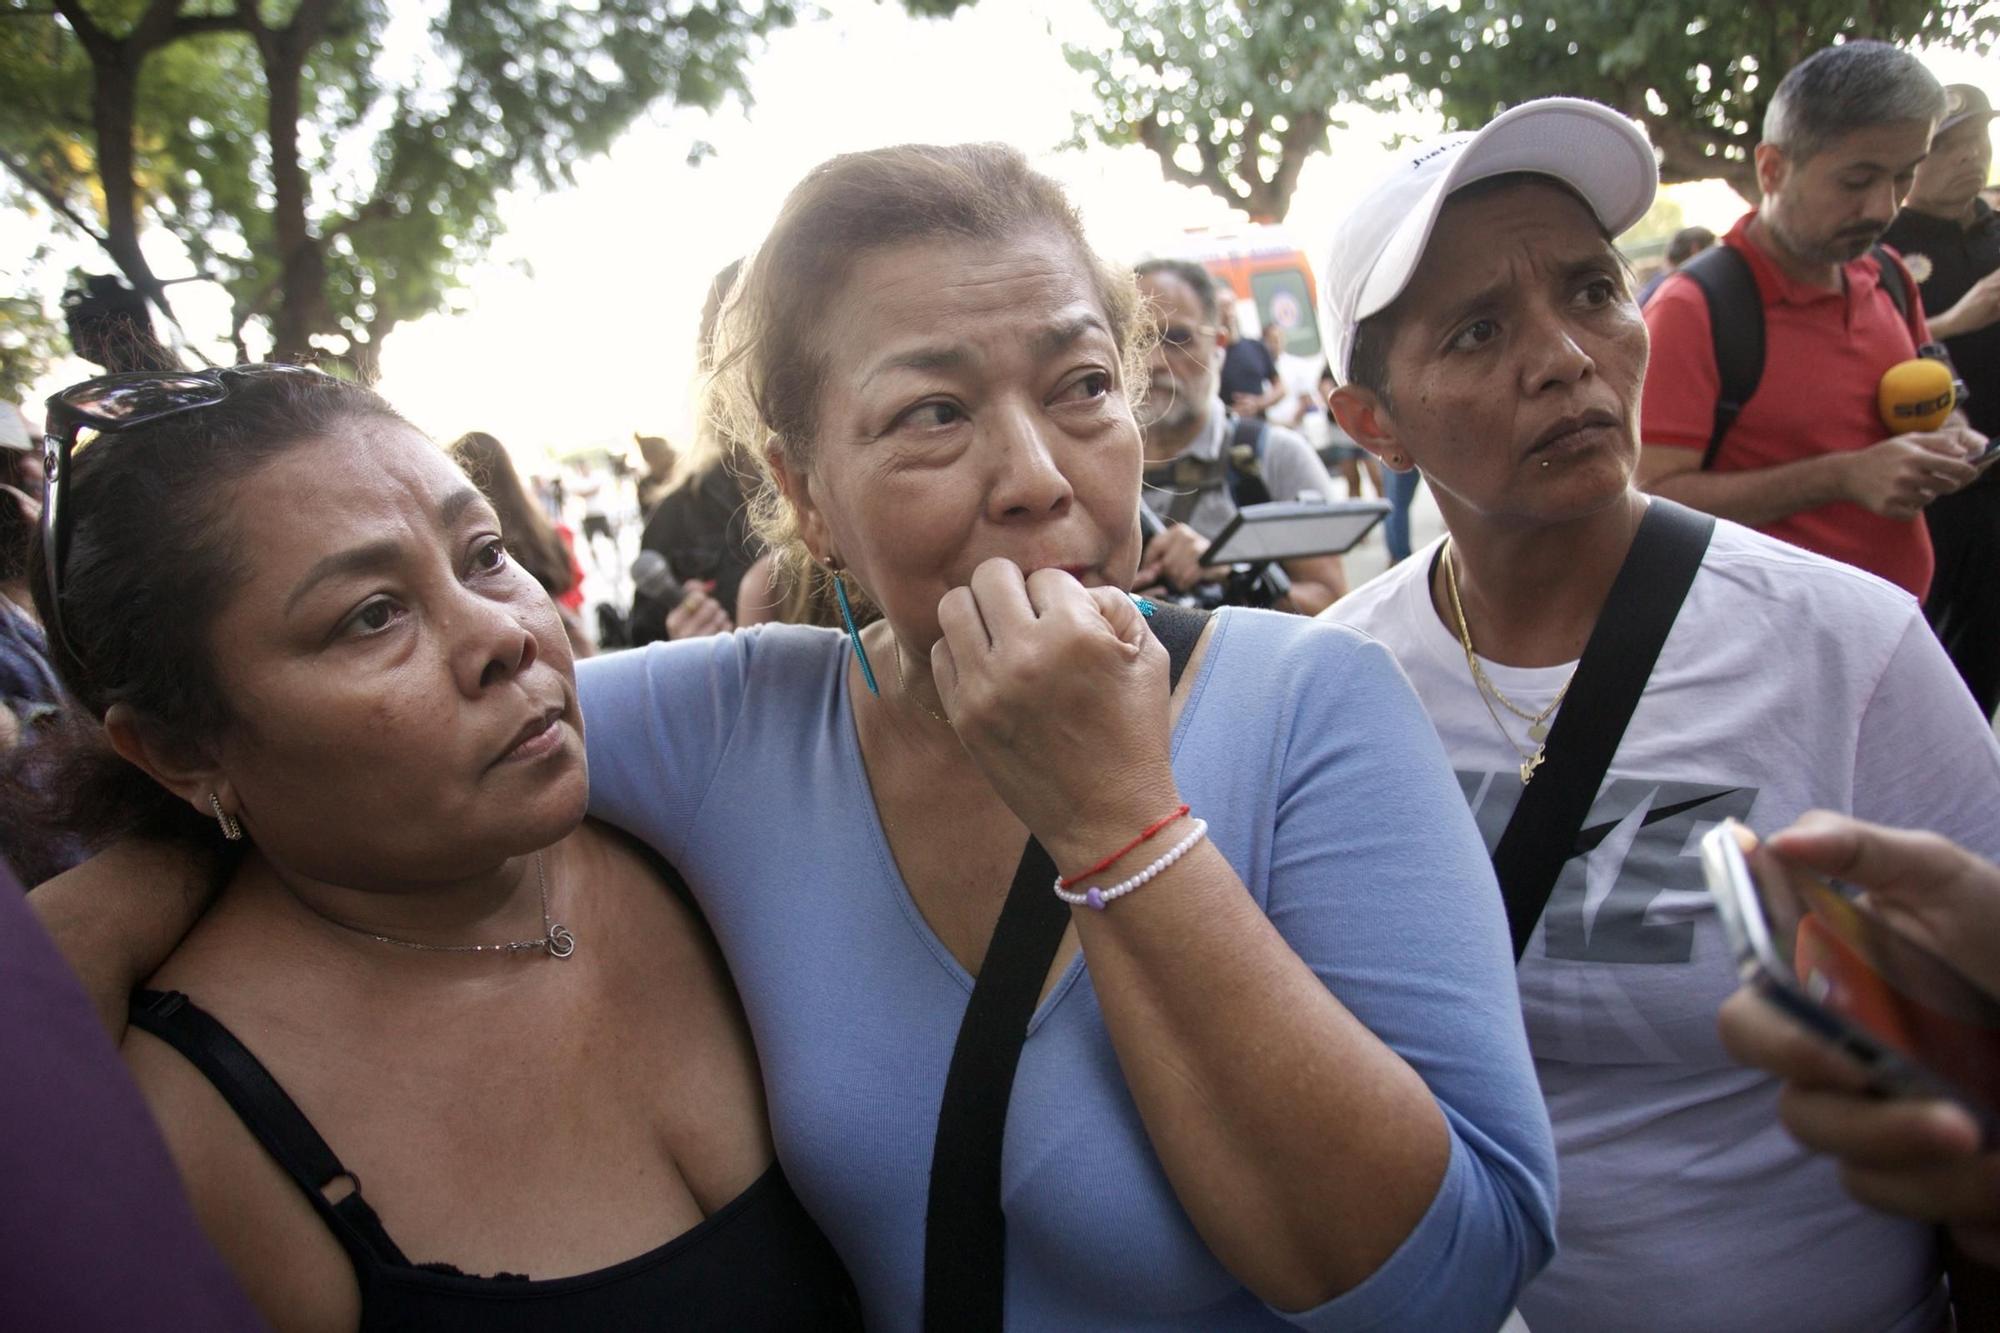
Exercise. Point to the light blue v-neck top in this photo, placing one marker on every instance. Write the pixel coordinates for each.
(1324, 785)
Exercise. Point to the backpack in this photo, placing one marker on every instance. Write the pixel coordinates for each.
(1240, 467)
(1736, 324)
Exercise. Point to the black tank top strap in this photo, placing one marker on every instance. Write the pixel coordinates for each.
(270, 1114)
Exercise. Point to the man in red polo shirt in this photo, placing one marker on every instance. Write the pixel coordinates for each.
(1808, 458)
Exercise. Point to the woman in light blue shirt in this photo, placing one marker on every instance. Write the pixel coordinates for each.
(1281, 1082)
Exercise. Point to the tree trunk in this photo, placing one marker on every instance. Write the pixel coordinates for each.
(302, 269)
(113, 95)
(365, 357)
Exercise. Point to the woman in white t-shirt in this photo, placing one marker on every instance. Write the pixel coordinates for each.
(1483, 329)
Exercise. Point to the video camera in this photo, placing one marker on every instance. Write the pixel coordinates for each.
(1261, 535)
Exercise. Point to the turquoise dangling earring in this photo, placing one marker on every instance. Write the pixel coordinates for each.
(853, 634)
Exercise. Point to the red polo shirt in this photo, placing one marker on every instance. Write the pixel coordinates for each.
(1824, 354)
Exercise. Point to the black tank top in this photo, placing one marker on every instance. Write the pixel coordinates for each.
(758, 1262)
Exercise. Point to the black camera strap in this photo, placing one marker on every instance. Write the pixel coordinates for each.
(1644, 601)
(965, 1229)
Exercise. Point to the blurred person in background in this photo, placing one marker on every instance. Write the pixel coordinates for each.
(1203, 461)
(1685, 245)
(1950, 239)
(32, 701)
(28, 686)
(1807, 458)
(660, 457)
(1250, 382)
(702, 521)
(534, 543)
(1335, 447)
(1479, 313)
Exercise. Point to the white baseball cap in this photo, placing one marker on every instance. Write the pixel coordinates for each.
(1594, 150)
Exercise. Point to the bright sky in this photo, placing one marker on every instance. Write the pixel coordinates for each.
(580, 328)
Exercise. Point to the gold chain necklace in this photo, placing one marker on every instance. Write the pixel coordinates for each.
(1538, 729)
(556, 940)
(904, 681)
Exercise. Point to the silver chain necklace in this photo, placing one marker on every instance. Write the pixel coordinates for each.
(556, 939)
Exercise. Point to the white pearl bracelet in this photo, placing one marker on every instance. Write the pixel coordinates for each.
(1096, 898)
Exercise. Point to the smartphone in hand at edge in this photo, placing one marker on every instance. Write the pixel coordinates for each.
(1918, 1025)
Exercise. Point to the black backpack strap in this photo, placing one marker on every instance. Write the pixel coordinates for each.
(1736, 327)
(1245, 459)
(1894, 282)
(1645, 600)
(269, 1114)
(965, 1230)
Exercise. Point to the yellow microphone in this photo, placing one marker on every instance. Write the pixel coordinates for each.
(1916, 395)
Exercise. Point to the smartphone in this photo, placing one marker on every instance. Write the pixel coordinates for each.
(1819, 955)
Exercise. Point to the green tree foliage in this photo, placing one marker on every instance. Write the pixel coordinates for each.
(1697, 76)
(30, 343)
(337, 166)
(1233, 98)
(1236, 95)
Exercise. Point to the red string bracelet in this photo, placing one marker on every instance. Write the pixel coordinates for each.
(1115, 857)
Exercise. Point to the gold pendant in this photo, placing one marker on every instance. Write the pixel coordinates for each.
(1529, 765)
(1538, 731)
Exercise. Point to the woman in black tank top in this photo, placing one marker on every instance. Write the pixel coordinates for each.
(439, 1056)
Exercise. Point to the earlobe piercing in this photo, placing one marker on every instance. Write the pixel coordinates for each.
(853, 633)
(231, 829)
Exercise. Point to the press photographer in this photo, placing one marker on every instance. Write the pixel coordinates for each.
(1203, 464)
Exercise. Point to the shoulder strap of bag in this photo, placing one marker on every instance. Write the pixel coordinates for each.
(1893, 281)
(1644, 601)
(1245, 459)
(1736, 327)
(965, 1231)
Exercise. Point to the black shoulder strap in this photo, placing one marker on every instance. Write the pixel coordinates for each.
(1893, 282)
(1736, 326)
(1644, 601)
(1248, 433)
(268, 1113)
(965, 1230)
(1248, 438)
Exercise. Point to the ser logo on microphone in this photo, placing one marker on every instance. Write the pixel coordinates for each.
(1916, 395)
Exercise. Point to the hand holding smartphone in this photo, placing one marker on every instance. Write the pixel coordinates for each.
(1828, 962)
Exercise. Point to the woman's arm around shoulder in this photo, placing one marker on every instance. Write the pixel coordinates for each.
(657, 720)
(117, 916)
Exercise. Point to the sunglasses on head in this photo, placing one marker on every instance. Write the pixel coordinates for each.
(86, 413)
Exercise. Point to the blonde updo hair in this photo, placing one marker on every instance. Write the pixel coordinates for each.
(770, 345)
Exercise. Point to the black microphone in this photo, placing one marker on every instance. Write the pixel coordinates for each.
(653, 579)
